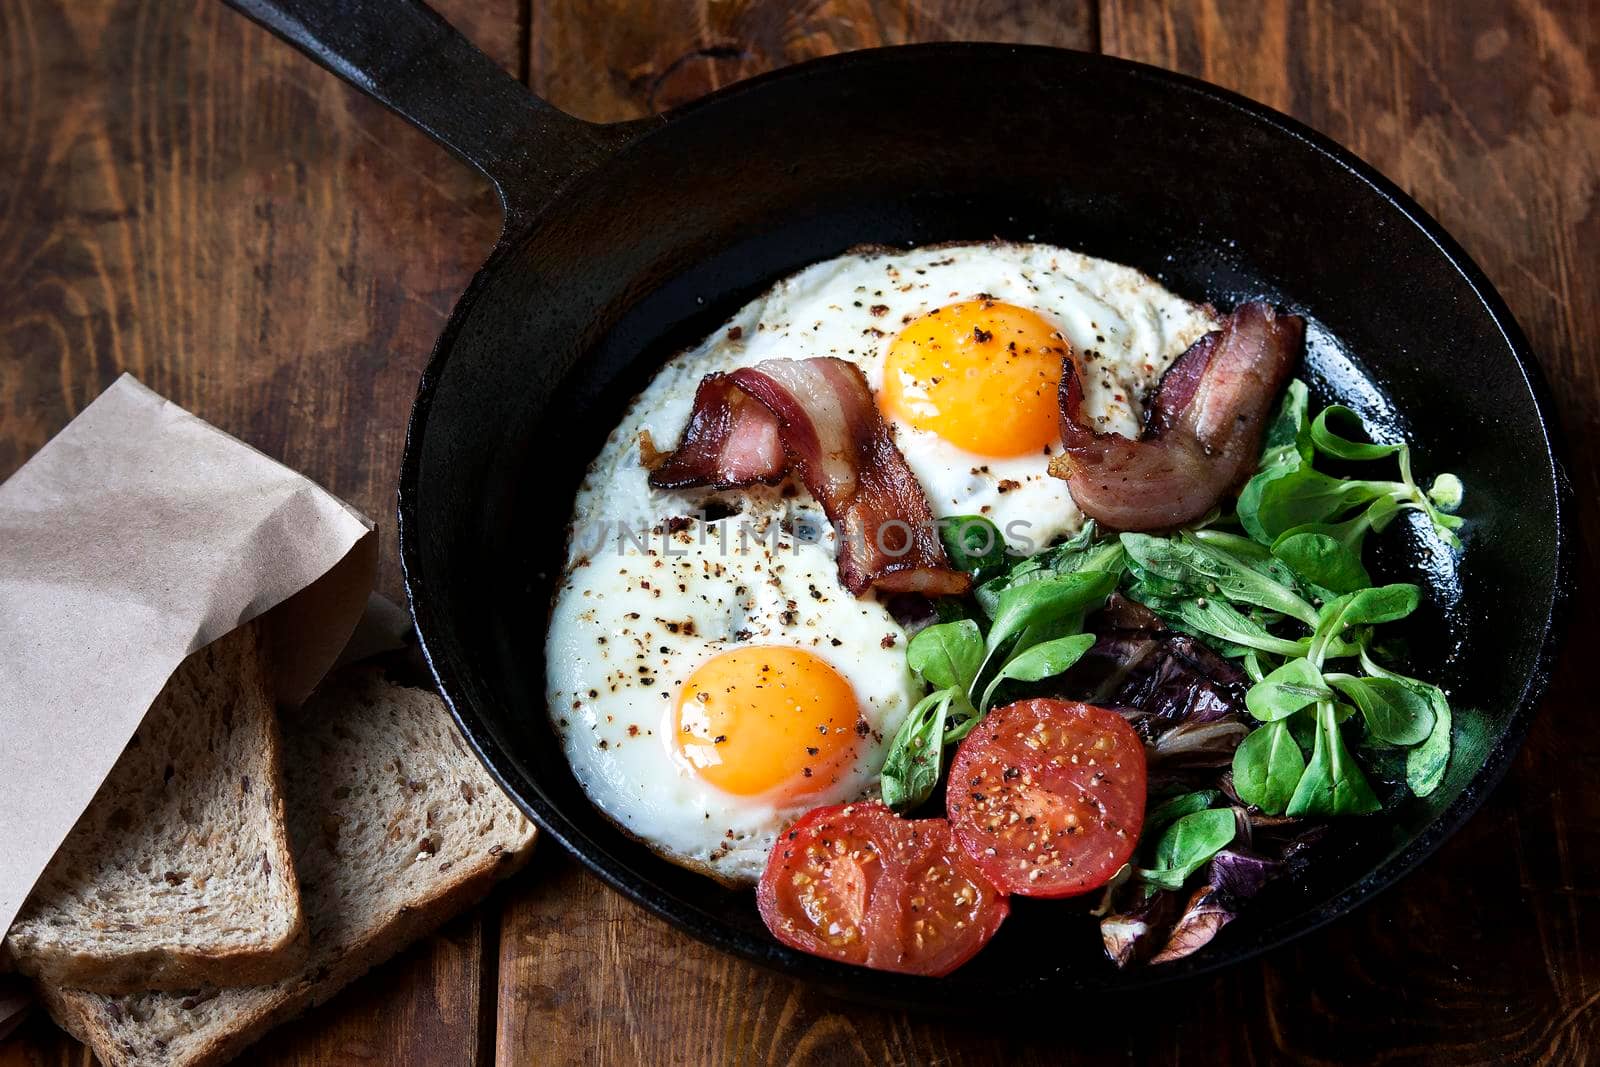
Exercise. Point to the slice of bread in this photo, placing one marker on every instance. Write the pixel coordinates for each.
(396, 826)
(180, 872)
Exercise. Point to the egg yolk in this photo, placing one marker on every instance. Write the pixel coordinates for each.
(981, 374)
(766, 719)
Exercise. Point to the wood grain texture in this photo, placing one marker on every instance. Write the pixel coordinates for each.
(184, 197)
(188, 199)
(609, 60)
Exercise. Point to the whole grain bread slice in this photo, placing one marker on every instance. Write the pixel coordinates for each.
(396, 827)
(180, 871)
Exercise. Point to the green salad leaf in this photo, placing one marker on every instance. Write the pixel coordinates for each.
(1187, 844)
(1202, 569)
(1287, 492)
(1300, 497)
(1394, 712)
(1287, 442)
(1240, 547)
(1351, 532)
(947, 654)
(1231, 630)
(1379, 604)
(1174, 808)
(1325, 439)
(915, 759)
(1267, 767)
(974, 545)
(1332, 783)
(1038, 662)
(1426, 764)
(1295, 685)
(1322, 560)
(1033, 604)
(1080, 553)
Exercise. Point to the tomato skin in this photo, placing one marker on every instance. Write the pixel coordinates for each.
(947, 909)
(821, 877)
(1047, 796)
(859, 884)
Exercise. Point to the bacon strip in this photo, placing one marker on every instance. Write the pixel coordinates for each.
(1203, 433)
(732, 441)
(817, 418)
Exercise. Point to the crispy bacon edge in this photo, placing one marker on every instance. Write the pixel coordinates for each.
(817, 418)
(1202, 435)
(731, 441)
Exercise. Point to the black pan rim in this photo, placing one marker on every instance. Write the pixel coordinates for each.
(905, 990)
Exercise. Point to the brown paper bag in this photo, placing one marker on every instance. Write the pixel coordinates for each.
(137, 536)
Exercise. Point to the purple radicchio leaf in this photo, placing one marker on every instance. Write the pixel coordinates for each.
(1198, 744)
(1187, 704)
(1169, 678)
(1238, 874)
(1206, 913)
(1134, 935)
(1163, 926)
(1233, 876)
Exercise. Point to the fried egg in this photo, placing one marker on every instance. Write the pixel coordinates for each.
(709, 677)
(711, 682)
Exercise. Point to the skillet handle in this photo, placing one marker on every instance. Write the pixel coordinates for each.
(402, 54)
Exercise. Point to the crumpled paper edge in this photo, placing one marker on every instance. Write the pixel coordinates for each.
(326, 611)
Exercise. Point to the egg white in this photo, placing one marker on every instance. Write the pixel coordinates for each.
(642, 563)
(645, 608)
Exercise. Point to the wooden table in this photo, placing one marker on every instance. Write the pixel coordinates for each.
(183, 197)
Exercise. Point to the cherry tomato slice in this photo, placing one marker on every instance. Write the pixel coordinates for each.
(1047, 796)
(857, 883)
(945, 910)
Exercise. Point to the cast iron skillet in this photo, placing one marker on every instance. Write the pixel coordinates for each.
(624, 243)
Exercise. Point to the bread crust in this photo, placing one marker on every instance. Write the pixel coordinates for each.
(86, 1016)
(59, 939)
(342, 946)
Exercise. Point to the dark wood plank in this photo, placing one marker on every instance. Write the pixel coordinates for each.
(187, 198)
(1489, 115)
(39, 1044)
(191, 201)
(421, 1009)
(619, 59)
